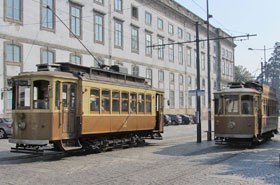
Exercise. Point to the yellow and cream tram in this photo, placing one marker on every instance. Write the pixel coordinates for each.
(76, 107)
(245, 112)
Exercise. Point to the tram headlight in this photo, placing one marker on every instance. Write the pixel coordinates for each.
(21, 125)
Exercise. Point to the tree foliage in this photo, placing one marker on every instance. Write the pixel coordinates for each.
(272, 69)
(242, 74)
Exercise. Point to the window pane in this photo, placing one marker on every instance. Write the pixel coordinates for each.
(124, 102)
(23, 96)
(51, 57)
(94, 100)
(10, 53)
(231, 104)
(141, 103)
(16, 54)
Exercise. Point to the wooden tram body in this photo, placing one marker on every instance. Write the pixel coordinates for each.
(75, 107)
(245, 113)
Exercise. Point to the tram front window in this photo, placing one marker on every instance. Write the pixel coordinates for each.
(40, 94)
(23, 100)
(247, 104)
(232, 104)
(218, 105)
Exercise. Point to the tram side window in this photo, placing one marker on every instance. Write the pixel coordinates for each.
(94, 100)
(57, 95)
(105, 101)
(247, 104)
(124, 102)
(232, 104)
(148, 104)
(23, 98)
(116, 102)
(40, 94)
(133, 103)
(218, 105)
(141, 103)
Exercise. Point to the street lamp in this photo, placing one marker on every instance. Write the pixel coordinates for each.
(265, 63)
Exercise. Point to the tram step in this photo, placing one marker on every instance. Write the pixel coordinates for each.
(71, 144)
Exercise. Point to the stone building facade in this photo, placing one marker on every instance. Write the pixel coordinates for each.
(116, 32)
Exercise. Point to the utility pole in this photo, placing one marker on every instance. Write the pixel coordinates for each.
(198, 111)
(209, 133)
(265, 65)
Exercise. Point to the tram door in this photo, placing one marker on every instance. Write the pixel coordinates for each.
(159, 112)
(68, 110)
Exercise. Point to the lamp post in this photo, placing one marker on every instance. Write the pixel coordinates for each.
(265, 62)
(209, 133)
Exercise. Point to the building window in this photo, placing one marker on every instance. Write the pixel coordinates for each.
(99, 28)
(148, 18)
(170, 29)
(190, 81)
(180, 33)
(202, 61)
(135, 70)
(148, 44)
(181, 99)
(180, 54)
(215, 47)
(160, 24)
(160, 76)
(181, 79)
(190, 101)
(118, 5)
(188, 36)
(171, 76)
(13, 11)
(48, 56)
(203, 101)
(223, 52)
(118, 34)
(75, 59)
(134, 39)
(172, 99)
(171, 51)
(223, 67)
(202, 44)
(13, 53)
(214, 65)
(203, 83)
(149, 74)
(160, 48)
(76, 21)
(189, 57)
(47, 15)
(134, 12)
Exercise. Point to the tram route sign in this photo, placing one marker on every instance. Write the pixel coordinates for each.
(196, 92)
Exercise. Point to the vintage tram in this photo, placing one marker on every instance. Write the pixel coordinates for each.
(245, 113)
(73, 107)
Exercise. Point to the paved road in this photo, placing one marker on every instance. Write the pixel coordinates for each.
(177, 159)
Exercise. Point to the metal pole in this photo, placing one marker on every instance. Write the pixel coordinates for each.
(265, 65)
(198, 120)
(209, 133)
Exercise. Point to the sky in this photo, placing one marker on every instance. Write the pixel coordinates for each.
(239, 17)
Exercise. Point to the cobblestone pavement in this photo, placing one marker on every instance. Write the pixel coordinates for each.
(177, 159)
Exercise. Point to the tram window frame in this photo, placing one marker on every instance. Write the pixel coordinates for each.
(249, 108)
(104, 108)
(132, 101)
(226, 105)
(123, 100)
(140, 102)
(97, 99)
(116, 99)
(148, 101)
(42, 100)
(219, 104)
(25, 106)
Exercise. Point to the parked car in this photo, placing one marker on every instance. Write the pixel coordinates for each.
(175, 119)
(193, 119)
(167, 120)
(186, 119)
(5, 127)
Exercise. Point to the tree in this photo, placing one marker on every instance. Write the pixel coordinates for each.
(242, 74)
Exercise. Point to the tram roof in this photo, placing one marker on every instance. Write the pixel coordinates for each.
(238, 90)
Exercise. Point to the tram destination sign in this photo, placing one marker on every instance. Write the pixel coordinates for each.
(22, 82)
(196, 92)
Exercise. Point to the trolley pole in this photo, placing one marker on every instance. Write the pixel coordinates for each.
(209, 133)
(198, 111)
